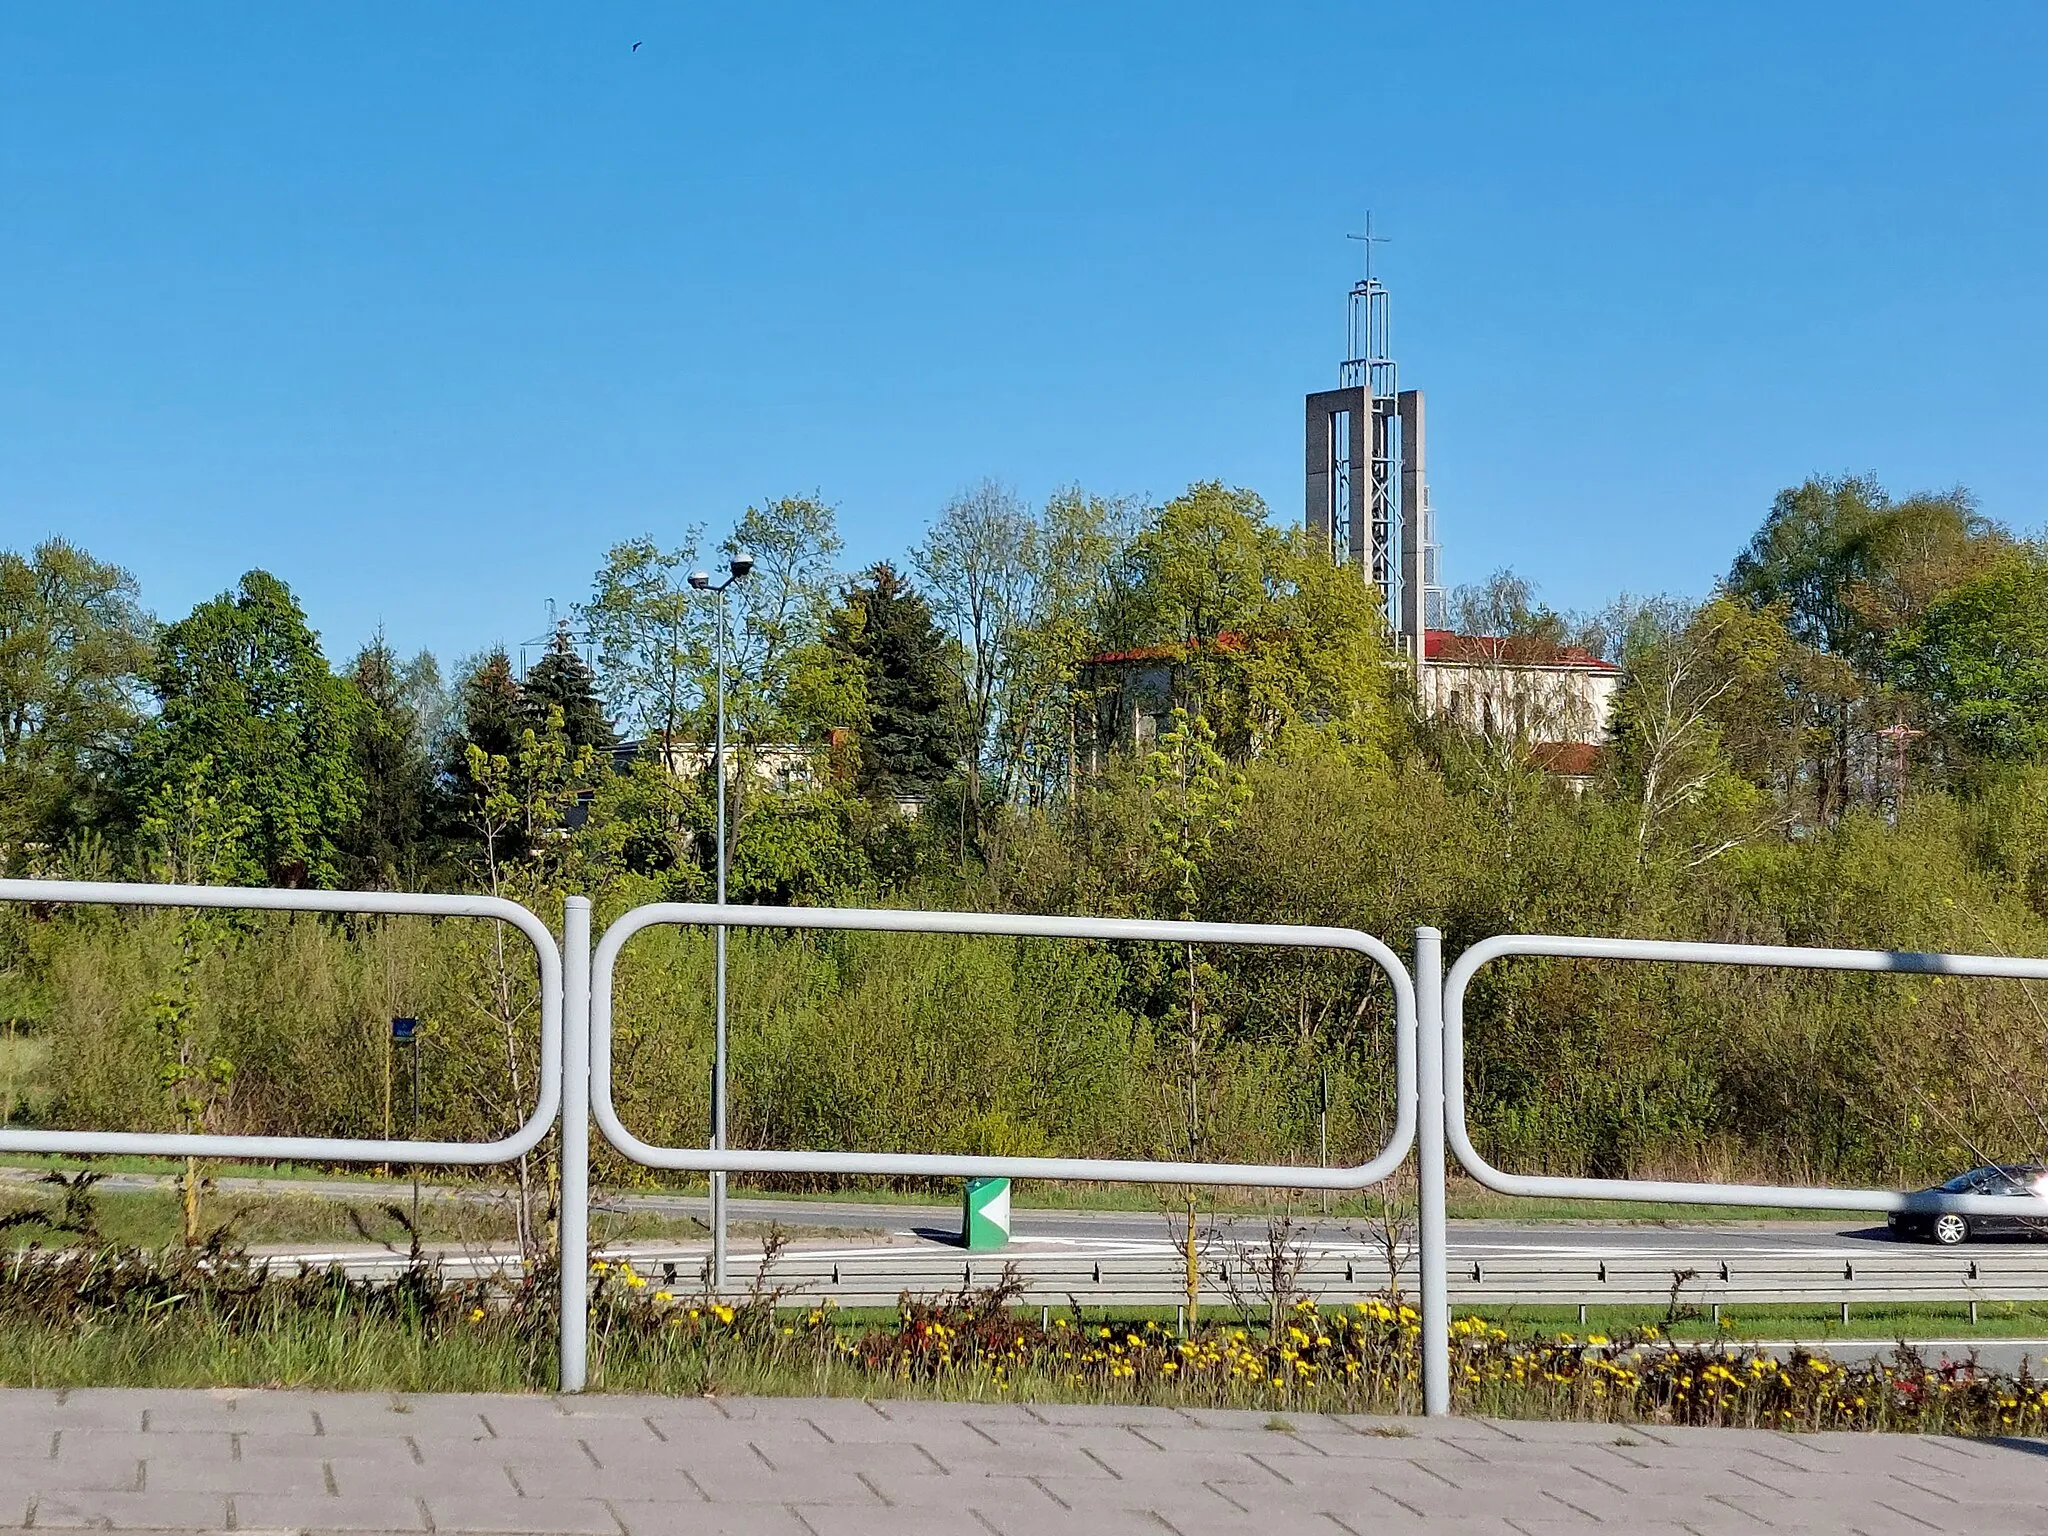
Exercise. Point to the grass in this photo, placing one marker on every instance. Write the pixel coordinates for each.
(24, 1076)
(154, 1219)
(183, 1319)
(1464, 1200)
(1870, 1322)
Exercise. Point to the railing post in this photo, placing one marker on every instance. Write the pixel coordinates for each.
(574, 1223)
(1429, 1156)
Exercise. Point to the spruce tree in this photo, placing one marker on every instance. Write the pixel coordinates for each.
(563, 680)
(390, 835)
(885, 629)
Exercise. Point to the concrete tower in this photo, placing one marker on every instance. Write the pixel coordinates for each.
(1368, 494)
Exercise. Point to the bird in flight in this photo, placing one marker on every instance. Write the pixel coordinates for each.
(636, 48)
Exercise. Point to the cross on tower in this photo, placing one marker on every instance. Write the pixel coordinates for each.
(1369, 240)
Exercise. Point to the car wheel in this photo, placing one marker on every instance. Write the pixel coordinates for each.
(1950, 1229)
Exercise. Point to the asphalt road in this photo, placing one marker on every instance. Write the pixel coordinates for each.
(1702, 1240)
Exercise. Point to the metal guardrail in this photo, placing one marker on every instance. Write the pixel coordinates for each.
(589, 1063)
(575, 997)
(1449, 1049)
(325, 1149)
(1790, 1197)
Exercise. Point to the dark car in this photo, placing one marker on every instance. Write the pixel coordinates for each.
(2022, 1181)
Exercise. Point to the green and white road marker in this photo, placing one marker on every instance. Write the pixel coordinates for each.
(985, 1213)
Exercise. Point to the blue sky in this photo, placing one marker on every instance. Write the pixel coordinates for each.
(422, 307)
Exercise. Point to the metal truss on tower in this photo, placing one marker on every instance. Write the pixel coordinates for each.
(1368, 498)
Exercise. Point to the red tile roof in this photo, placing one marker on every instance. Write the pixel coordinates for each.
(1572, 759)
(1228, 640)
(1449, 646)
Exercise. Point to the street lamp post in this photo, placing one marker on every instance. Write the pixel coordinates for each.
(737, 569)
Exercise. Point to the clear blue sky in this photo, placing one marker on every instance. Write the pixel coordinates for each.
(422, 307)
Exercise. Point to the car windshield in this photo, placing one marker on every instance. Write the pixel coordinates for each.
(2012, 1181)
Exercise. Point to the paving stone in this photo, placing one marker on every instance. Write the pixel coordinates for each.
(1553, 1432)
(821, 1410)
(845, 1521)
(737, 1482)
(1226, 1463)
(1653, 1482)
(215, 1448)
(254, 1416)
(961, 1492)
(1249, 1419)
(1090, 1415)
(20, 1439)
(1861, 1483)
(511, 1514)
(168, 1474)
(663, 1518)
(578, 1479)
(1020, 1461)
(1606, 1506)
(111, 1473)
(346, 1512)
(701, 1443)
(134, 1511)
(364, 1450)
(1195, 1500)
(356, 1479)
(911, 1410)
(795, 1467)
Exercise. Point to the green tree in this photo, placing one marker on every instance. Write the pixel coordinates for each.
(1073, 559)
(391, 835)
(74, 649)
(1979, 658)
(1667, 754)
(250, 716)
(781, 684)
(1275, 642)
(799, 847)
(490, 714)
(562, 680)
(977, 561)
(652, 634)
(1848, 568)
(883, 630)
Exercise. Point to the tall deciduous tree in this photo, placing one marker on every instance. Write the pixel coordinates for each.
(1849, 568)
(778, 684)
(74, 649)
(977, 561)
(652, 634)
(1273, 640)
(1073, 558)
(1979, 657)
(251, 719)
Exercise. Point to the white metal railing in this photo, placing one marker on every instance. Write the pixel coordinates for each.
(964, 1165)
(325, 1149)
(575, 1004)
(595, 1066)
(1790, 1197)
(1451, 1044)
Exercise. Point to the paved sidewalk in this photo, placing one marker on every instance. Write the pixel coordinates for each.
(619, 1466)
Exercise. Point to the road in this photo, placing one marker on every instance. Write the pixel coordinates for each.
(1675, 1242)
